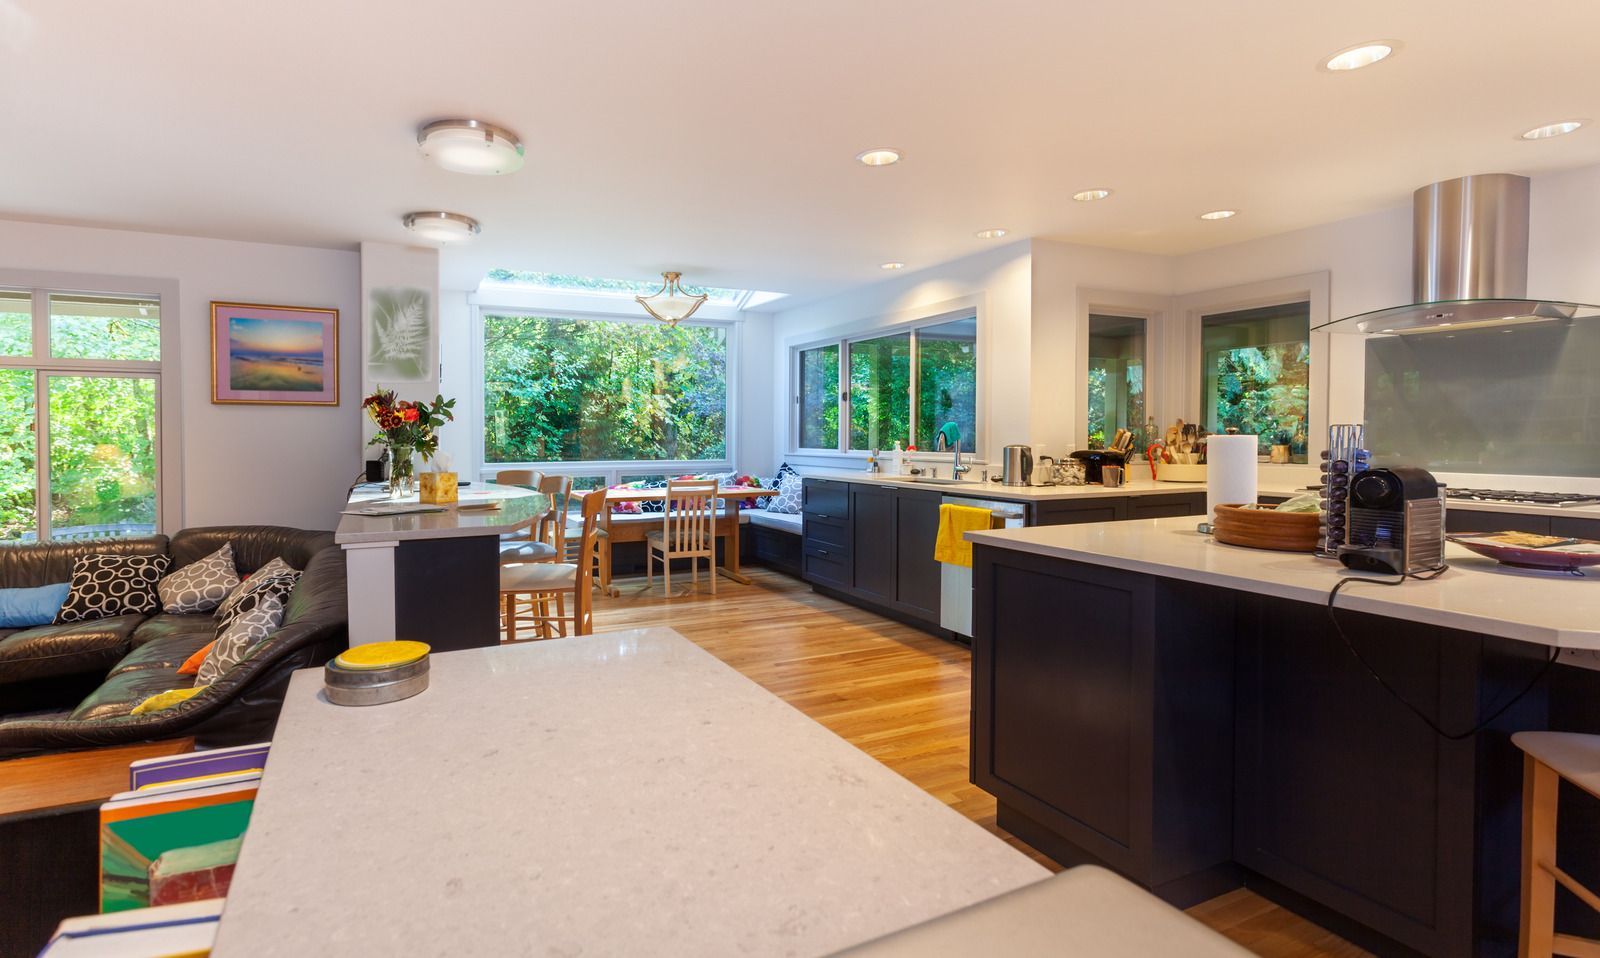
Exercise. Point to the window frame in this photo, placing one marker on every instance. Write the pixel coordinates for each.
(611, 469)
(1323, 404)
(858, 333)
(165, 372)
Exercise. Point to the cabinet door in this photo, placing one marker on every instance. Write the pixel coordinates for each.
(1574, 526)
(825, 498)
(1074, 511)
(916, 520)
(872, 516)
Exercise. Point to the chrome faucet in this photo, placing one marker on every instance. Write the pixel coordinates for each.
(949, 437)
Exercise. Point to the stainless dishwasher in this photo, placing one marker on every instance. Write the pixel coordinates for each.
(955, 581)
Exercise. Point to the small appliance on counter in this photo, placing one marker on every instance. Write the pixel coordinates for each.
(1096, 459)
(1016, 466)
(1044, 468)
(1395, 522)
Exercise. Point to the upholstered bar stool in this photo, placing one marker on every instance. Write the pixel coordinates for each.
(1550, 757)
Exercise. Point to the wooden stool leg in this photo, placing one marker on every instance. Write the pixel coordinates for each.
(561, 613)
(1540, 786)
(511, 615)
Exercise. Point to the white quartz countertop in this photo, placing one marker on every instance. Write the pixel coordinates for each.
(1476, 593)
(624, 793)
(994, 490)
(1140, 484)
(518, 509)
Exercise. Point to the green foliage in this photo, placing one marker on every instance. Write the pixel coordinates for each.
(880, 394)
(1262, 390)
(102, 430)
(819, 397)
(947, 389)
(561, 390)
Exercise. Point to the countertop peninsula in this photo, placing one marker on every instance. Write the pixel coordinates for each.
(1476, 594)
(518, 509)
(623, 793)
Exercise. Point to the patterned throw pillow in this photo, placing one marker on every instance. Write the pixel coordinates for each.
(107, 585)
(259, 589)
(241, 635)
(274, 567)
(787, 501)
(653, 505)
(200, 586)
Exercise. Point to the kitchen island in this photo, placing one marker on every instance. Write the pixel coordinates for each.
(432, 575)
(1190, 714)
(615, 794)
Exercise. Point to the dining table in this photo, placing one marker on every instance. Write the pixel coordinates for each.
(732, 497)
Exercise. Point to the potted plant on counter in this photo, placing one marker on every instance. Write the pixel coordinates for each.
(406, 428)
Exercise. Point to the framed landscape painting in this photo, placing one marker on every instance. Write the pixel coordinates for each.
(276, 355)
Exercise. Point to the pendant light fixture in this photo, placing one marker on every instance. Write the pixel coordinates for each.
(670, 303)
(470, 146)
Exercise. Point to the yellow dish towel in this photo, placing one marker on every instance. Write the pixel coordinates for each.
(954, 523)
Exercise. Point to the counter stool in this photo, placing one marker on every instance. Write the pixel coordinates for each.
(1550, 757)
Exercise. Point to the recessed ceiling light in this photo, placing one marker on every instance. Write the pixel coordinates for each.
(1387, 330)
(878, 156)
(470, 146)
(1552, 129)
(1360, 55)
(1218, 214)
(1089, 196)
(993, 232)
(891, 266)
(441, 227)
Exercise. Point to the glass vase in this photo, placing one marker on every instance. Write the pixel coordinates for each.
(402, 472)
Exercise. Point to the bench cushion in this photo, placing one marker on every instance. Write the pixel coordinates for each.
(782, 521)
(71, 649)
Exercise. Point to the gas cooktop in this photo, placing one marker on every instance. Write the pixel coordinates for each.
(1528, 498)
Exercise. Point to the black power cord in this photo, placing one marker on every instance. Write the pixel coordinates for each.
(1453, 737)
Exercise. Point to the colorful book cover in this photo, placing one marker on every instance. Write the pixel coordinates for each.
(216, 761)
(136, 831)
(189, 929)
(188, 784)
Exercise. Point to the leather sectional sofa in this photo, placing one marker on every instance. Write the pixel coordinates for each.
(73, 686)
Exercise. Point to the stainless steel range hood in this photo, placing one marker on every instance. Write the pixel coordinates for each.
(1469, 263)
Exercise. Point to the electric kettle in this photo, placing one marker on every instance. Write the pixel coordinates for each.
(1016, 467)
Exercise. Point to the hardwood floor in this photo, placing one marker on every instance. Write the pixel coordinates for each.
(903, 697)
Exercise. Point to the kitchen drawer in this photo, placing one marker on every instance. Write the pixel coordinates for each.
(831, 534)
(1166, 506)
(826, 567)
(1474, 520)
(826, 498)
(1074, 511)
(1574, 526)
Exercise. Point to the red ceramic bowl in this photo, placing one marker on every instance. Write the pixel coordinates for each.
(1569, 555)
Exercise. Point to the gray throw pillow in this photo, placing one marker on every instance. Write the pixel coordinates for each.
(200, 586)
(787, 501)
(244, 631)
(273, 568)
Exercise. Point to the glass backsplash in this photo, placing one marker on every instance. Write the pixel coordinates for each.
(1513, 398)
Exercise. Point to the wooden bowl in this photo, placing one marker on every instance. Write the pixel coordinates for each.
(1266, 528)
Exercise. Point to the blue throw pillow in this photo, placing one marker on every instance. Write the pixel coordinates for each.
(26, 608)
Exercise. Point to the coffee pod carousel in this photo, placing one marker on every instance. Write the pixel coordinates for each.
(377, 673)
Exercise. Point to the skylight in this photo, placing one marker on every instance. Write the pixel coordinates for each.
(622, 288)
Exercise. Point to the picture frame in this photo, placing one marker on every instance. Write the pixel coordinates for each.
(268, 355)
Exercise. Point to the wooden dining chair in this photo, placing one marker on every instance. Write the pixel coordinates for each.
(527, 478)
(544, 541)
(536, 593)
(688, 531)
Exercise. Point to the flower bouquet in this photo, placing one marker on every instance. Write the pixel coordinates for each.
(406, 428)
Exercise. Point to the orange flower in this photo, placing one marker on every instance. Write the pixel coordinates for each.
(409, 414)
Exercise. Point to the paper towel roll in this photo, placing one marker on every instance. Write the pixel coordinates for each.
(1230, 472)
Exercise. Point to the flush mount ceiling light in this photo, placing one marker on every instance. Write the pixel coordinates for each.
(1089, 196)
(891, 266)
(470, 146)
(993, 232)
(1552, 129)
(671, 304)
(1360, 55)
(878, 156)
(1219, 214)
(441, 227)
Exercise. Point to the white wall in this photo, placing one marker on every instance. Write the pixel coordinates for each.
(282, 465)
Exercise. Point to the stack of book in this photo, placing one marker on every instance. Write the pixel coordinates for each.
(174, 835)
(187, 930)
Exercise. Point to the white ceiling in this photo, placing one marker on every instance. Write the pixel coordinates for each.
(718, 137)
